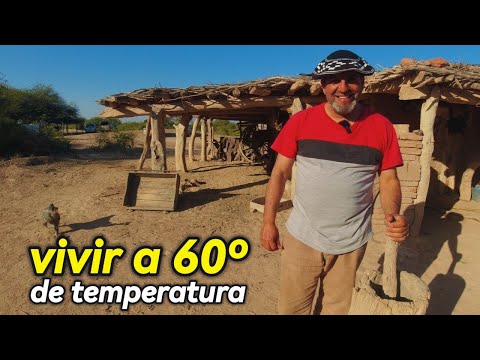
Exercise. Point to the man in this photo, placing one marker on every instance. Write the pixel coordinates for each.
(339, 147)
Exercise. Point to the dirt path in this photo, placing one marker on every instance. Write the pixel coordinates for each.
(89, 187)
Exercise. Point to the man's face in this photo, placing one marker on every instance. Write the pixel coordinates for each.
(343, 90)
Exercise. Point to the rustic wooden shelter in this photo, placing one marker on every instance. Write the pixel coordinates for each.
(267, 101)
(433, 105)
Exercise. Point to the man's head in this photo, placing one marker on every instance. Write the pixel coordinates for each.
(342, 76)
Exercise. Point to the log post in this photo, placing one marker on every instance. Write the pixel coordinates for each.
(158, 144)
(180, 137)
(203, 154)
(209, 139)
(427, 120)
(146, 143)
(212, 137)
(296, 107)
(191, 144)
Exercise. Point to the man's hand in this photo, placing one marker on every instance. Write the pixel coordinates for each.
(396, 227)
(269, 237)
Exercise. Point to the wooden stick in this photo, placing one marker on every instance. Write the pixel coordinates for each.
(389, 277)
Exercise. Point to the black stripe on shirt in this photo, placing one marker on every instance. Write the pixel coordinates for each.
(347, 153)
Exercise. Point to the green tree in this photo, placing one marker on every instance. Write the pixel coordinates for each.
(171, 120)
(41, 105)
(10, 101)
(225, 127)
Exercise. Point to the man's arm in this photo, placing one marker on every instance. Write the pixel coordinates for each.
(281, 172)
(396, 225)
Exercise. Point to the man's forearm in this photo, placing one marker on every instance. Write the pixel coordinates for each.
(273, 195)
(391, 196)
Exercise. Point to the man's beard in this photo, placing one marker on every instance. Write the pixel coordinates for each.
(344, 109)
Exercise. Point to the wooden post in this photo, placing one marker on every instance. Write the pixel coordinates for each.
(203, 154)
(427, 120)
(212, 137)
(209, 138)
(191, 144)
(180, 137)
(158, 146)
(465, 187)
(389, 277)
(146, 143)
(296, 107)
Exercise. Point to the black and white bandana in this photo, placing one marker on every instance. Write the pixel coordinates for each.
(340, 61)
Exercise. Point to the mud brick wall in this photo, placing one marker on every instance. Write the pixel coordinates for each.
(409, 175)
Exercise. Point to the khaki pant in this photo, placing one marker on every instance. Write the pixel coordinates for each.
(303, 269)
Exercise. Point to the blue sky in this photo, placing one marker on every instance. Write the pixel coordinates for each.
(82, 74)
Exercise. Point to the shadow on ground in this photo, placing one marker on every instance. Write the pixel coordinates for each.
(190, 200)
(439, 227)
(94, 224)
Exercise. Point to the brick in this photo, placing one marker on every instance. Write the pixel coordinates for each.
(409, 195)
(409, 183)
(413, 171)
(410, 144)
(401, 128)
(411, 151)
(410, 136)
(408, 157)
(402, 173)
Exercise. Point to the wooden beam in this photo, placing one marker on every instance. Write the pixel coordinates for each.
(208, 107)
(204, 107)
(427, 120)
(239, 115)
(458, 96)
(409, 93)
(297, 85)
(259, 91)
(240, 112)
(387, 86)
(125, 111)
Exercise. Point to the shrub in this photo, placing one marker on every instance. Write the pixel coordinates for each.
(102, 140)
(123, 140)
(18, 141)
(131, 126)
(116, 141)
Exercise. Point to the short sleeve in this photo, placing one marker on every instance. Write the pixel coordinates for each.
(286, 141)
(392, 156)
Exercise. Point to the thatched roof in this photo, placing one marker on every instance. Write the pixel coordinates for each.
(462, 76)
(459, 83)
(258, 96)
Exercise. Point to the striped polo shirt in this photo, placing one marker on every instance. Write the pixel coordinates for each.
(333, 201)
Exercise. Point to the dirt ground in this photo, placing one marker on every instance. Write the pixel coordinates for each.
(89, 186)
